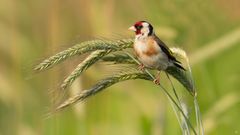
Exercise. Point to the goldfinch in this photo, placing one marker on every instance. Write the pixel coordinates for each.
(150, 50)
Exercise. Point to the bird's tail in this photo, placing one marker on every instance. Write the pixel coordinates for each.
(178, 64)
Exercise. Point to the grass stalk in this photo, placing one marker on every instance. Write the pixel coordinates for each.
(178, 74)
(168, 95)
(78, 49)
(184, 124)
(198, 117)
(100, 51)
(82, 48)
(103, 84)
(89, 61)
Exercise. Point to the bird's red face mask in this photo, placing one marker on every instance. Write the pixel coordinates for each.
(137, 28)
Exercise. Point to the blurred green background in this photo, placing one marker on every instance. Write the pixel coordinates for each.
(32, 30)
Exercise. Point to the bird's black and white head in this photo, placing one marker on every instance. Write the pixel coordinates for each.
(142, 29)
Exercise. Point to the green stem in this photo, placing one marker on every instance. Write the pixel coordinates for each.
(178, 118)
(179, 102)
(198, 117)
(168, 95)
(179, 108)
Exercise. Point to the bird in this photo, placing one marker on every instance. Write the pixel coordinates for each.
(152, 52)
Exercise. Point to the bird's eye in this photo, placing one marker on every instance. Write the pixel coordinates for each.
(138, 27)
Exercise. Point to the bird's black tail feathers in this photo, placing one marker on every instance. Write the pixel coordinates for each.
(178, 64)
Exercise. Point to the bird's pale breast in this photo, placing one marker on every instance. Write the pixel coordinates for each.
(150, 54)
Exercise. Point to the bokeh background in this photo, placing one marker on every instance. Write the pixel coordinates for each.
(32, 30)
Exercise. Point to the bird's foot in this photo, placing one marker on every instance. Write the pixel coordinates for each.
(157, 78)
(156, 81)
(141, 67)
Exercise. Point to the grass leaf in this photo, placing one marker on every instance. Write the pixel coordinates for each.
(182, 77)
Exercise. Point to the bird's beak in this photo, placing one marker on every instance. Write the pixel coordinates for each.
(132, 28)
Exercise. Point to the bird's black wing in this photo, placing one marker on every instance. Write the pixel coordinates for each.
(168, 52)
(165, 49)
